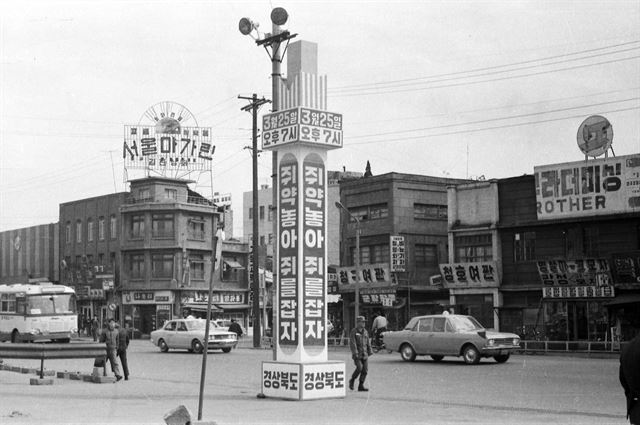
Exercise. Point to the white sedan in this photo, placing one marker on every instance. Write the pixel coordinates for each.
(189, 334)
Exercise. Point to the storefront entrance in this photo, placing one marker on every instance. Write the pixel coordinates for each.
(575, 320)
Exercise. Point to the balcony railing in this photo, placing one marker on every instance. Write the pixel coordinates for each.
(150, 200)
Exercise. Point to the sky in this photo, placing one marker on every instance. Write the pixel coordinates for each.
(462, 89)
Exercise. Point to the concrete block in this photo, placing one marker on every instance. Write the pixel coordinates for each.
(29, 370)
(75, 376)
(43, 381)
(87, 378)
(97, 371)
(45, 372)
(178, 416)
(16, 369)
(103, 379)
(63, 375)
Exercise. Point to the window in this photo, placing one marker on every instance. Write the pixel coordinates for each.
(8, 303)
(90, 230)
(171, 194)
(78, 231)
(473, 248)
(371, 254)
(137, 266)
(196, 228)
(590, 236)
(90, 260)
(524, 246)
(426, 255)
(270, 212)
(112, 259)
(143, 195)
(378, 211)
(196, 266)
(262, 240)
(270, 238)
(369, 212)
(425, 325)
(101, 259)
(429, 211)
(250, 213)
(137, 226)
(67, 232)
(101, 228)
(230, 270)
(261, 212)
(113, 227)
(162, 225)
(438, 324)
(162, 265)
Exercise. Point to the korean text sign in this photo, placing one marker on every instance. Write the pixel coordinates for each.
(302, 125)
(369, 275)
(397, 253)
(189, 149)
(587, 188)
(463, 275)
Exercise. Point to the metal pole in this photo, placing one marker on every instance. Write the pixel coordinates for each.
(203, 372)
(254, 281)
(357, 267)
(275, 101)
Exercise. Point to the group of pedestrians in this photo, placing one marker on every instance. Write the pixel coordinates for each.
(116, 339)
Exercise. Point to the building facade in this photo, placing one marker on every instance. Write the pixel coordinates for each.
(89, 238)
(408, 206)
(30, 253)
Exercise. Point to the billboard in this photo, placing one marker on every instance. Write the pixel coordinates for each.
(159, 148)
(302, 125)
(369, 276)
(398, 258)
(588, 188)
(470, 275)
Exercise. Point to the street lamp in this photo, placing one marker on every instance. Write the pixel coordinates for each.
(357, 286)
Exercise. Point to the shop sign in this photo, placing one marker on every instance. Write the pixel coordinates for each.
(217, 297)
(96, 294)
(383, 296)
(626, 268)
(332, 282)
(147, 297)
(581, 272)
(470, 275)
(302, 125)
(578, 292)
(397, 253)
(369, 276)
(588, 188)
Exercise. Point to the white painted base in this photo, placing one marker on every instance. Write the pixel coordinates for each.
(303, 381)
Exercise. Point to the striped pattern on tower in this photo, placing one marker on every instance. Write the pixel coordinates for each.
(30, 252)
(306, 90)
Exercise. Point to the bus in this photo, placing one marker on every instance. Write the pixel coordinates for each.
(37, 312)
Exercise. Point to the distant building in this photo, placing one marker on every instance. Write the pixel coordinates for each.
(30, 253)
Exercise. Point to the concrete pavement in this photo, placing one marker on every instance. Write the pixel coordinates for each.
(525, 390)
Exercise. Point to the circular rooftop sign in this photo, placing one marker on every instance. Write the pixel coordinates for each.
(595, 135)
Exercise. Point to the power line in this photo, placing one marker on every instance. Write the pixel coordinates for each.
(364, 85)
(491, 128)
(498, 118)
(511, 77)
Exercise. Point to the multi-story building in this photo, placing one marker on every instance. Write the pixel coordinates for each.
(168, 241)
(90, 251)
(409, 206)
(30, 253)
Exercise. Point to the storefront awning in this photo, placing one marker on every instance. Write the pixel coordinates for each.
(624, 299)
(200, 307)
(233, 264)
(227, 307)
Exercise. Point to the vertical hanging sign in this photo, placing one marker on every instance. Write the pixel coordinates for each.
(288, 256)
(313, 229)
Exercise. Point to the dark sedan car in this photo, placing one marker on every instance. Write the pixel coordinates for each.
(450, 335)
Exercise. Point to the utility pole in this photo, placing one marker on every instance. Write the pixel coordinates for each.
(253, 106)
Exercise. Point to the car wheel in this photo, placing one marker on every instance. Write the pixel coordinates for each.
(470, 354)
(163, 346)
(437, 358)
(501, 358)
(197, 346)
(226, 349)
(407, 353)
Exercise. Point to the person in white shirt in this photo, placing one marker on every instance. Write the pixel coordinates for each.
(379, 325)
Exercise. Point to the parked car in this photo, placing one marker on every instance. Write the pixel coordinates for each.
(188, 334)
(450, 335)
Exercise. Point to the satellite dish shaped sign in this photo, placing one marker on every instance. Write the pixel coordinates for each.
(595, 136)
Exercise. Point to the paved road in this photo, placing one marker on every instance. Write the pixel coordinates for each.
(525, 390)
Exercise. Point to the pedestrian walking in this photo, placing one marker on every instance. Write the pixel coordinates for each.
(110, 337)
(235, 327)
(379, 326)
(95, 325)
(123, 345)
(360, 345)
(630, 378)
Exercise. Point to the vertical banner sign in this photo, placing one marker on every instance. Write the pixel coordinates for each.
(397, 254)
(288, 254)
(313, 250)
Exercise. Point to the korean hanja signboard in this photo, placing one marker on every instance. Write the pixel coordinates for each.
(587, 188)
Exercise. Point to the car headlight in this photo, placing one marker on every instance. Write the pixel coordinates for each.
(491, 342)
(516, 341)
(35, 331)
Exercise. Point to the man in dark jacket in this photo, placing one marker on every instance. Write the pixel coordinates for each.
(630, 378)
(110, 338)
(235, 327)
(360, 345)
(123, 344)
